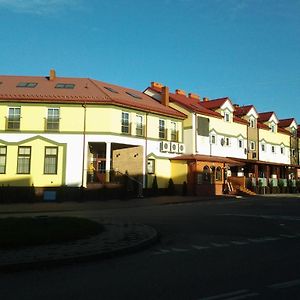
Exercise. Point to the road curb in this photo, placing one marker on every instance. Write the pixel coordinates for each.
(151, 236)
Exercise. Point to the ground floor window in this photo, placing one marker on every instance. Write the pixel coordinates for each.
(218, 173)
(50, 162)
(2, 159)
(24, 156)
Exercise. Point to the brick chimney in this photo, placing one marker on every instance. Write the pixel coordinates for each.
(165, 96)
(52, 74)
(156, 85)
(180, 92)
(205, 99)
(194, 96)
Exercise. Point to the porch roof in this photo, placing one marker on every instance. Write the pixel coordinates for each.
(210, 158)
(261, 162)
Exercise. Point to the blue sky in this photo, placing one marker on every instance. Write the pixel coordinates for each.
(248, 50)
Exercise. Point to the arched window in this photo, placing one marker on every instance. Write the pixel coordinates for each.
(218, 174)
(206, 174)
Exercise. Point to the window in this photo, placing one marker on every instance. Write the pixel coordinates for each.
(50, 162)
(24, 155)
(252, 145)
(213, 139)
(203, 126)
(139, 125)
(226, 117)
(273, 149)
(65, 86)
(125, 123)
(218, 174)
(134, 95)
(53, 119)
(2, 159)
(293, 152)
(227, 141)
(162, 129)
(252, 123)
(240, 143)
(111, 90)
(174, 132)
(273, 127)
(282, 150)
(27, 84)
(206, 174)
(14, 116)
(263, 147)
(294, 132)
(151, 166)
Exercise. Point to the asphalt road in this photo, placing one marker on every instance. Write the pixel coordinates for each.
(231, 249)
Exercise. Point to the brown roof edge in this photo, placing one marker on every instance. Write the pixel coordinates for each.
(199, 157)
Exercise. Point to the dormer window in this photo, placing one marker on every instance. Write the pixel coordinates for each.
(294, 131)
(252, 123)
(226, 117)
(273, 127)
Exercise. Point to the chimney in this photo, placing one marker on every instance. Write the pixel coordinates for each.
(156, 85)
(165, 96)
(194, 96)
(180, 92)
(205, 99)
(52, 74)
(236, 105)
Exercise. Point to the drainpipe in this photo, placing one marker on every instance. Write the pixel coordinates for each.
(195, 141)
(146, 151)
(83, 147)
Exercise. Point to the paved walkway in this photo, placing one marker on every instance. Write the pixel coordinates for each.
(117, 238)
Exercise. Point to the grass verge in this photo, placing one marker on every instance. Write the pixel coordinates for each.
(33, 231)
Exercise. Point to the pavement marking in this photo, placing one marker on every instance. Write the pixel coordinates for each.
(289, 236)
(239, 243)
(240, 294)
(161, 251)
(219, 245)
(200, 247)
(180, 250)
(286, 284)
(270, 238)
(259, 240)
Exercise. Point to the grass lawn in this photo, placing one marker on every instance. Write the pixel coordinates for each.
(32, 231)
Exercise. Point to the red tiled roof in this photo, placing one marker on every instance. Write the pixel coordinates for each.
(189, 103)
(284, 131)
(285, 122)
(242, 110)
(262, 126)
(86, 90)
(239, 120)
(214, 103)
(264, 117)
(193, 104)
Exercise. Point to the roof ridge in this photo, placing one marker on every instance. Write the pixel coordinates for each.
(99, 88)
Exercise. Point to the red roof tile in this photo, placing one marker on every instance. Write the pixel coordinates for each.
(85, 90)
(189, 103)
(285, 122)
(264, 117)
(242, 110)
(214, 103)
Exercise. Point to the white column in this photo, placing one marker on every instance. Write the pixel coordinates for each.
(108, 158)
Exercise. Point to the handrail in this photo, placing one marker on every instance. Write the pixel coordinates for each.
(140, 184)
